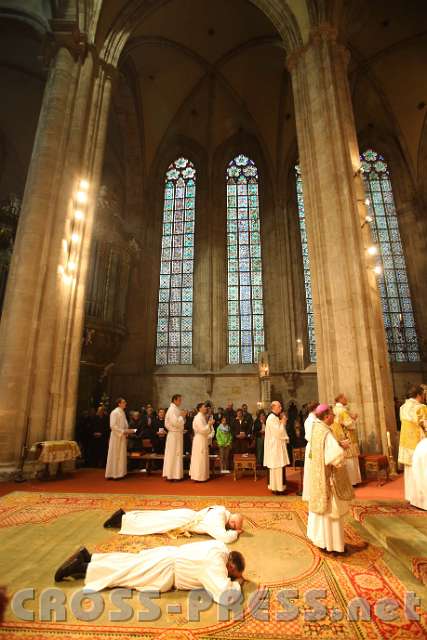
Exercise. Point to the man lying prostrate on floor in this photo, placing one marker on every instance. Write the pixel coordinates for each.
(208, 564)
(214, 521)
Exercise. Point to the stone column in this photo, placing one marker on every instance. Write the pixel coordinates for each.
(351, 347)
(40, 332)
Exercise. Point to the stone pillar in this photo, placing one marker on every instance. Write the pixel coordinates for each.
(40, 332)
(351, 347)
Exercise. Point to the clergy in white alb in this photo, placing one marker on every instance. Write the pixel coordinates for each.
(275, 450)
(117, 447)
(215, 521)
(209, 565)
(173, 464)
(308, 424)
(419, 475)
(344, 428)
(413, 418)
(330, 488)
(203, 434)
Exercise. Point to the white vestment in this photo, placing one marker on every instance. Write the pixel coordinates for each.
(326, 531)
(419, 475)
(199, 466)
(275, 451)
(308, 425)
(210, 521)
(173, 466)
(191, 566)
(117, 448)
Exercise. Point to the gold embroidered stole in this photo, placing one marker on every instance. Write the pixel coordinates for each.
(320, 488)
(341, 483)
(185, 530)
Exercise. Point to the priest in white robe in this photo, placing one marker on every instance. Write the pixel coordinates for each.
(173, 464)
(330, 488)
(117, 448)
(344, 428)
(203, 434)
(275, 450)
(308, 425)
(413, 418)
(215, 521)
(209, 565)
(419, 475)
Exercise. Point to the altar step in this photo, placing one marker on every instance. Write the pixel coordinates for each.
(401, 530)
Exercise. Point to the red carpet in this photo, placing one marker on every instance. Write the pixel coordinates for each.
(93, 480)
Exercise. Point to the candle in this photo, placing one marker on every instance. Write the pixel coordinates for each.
(388, 439)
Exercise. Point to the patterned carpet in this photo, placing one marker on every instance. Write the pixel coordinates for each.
(39, 530)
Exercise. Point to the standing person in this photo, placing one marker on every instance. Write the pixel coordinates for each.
(259, 434)
(117, 449)
(203, 432)
(330, 488)
(98, 445)
(230, 413)
(344, 428)
(224, 440)
(241, 433)
(247, 417)
(160, 431)
(419, 475)
(173, 468)
(308, 426)
(413, 417)
(275, 451)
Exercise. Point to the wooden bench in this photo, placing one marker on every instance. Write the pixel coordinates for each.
(149, 458)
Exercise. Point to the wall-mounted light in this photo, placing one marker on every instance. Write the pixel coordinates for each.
(377, 270)
(372, 250)
(81, 197)
(74, 232)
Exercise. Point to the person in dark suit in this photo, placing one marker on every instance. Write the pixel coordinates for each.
(98, 439)
(241, 431)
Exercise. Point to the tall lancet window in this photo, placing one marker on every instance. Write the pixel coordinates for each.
(175, 312)
(306, 266)
(393, 283)
(245, 299)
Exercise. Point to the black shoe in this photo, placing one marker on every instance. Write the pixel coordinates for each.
(75, 566)
(115, 521)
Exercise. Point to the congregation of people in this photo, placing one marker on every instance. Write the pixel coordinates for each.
(331, 469)
(327, 434)
(224, 431)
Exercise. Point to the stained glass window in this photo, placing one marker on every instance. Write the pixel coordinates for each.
(393, 283)
(245, 295)
(306, 266)
(175, 311)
